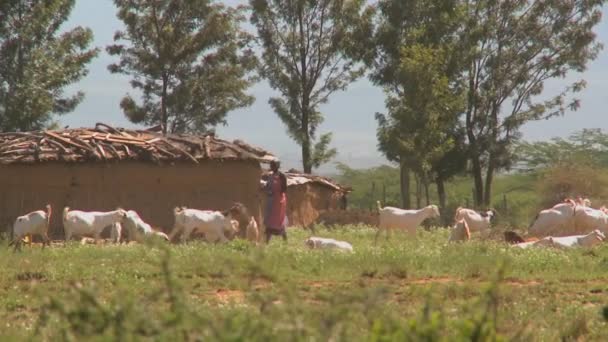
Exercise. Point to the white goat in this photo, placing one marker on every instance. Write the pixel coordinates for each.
(253, 233)
(79, 223)
(233, 230)
(396, 218)
(587, 219)
(326, 243)
(477, 222)
(460, 232)
(558, 220)
(34, 223)
(138, 228)
(212, 224)
(589, 240)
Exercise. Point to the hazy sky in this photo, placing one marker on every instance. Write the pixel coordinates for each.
(349, 114)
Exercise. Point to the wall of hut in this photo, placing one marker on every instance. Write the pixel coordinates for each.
(152, 190)
(305, 202)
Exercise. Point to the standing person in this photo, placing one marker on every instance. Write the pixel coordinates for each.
(276, 205)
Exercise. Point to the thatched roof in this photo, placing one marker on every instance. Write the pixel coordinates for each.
(295, 178)
(104, 143)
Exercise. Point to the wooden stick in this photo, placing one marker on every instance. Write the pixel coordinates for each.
(66, 141)
(103, 153)
(58, 145)
(184, 152)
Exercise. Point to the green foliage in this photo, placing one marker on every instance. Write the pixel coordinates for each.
(411, 56)
(303, 57)
(189, 58)
(37, 63)
(589, 146)
(509, 49)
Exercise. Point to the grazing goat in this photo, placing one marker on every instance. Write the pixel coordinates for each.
(79, 223)
(460, 232)
(239, 213)
(477, 222)
(137, 228)
(325, 243)
(253, 233)
(396, 218)
(34, 223)
(558, 220)
(233, 230)
(212, 224)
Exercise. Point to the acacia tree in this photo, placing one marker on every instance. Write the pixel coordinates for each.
(411, 54)
(189, 58)
(422, 126)
(303, 58)
(37, 62)
(511, 47)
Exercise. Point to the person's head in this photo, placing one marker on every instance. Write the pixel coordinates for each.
(275, 165)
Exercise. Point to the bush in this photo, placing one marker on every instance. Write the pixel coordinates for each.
(572, 180)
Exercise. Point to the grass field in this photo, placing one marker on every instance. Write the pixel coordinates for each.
(401, 289)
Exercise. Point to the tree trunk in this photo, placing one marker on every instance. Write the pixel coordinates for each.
(306, 91)
(487, 196)
(163, 105)
(478, 181)
(418, 192)
(442, 197)
(405, 186)
(306, 162)
(426, 192)
(441, 191)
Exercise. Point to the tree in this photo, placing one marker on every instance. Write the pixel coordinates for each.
(510, 48)
(589, 146)
(37, 62)
(411, 54)
(304, 44)
(189, 58)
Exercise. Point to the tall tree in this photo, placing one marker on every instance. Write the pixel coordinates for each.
(412, 56)
(37, 62)
(303, 53)
(511, 47)
(422, 126)
(189, 58)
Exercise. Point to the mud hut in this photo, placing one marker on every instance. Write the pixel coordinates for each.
(104, 168)
(308, 196)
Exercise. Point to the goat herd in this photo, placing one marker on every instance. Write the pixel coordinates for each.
(555, 227)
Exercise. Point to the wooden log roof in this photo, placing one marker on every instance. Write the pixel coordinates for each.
(104, 143)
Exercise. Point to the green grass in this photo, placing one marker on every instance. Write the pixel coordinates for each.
(401, 289)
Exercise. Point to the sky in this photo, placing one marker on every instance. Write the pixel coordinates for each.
(349, 114)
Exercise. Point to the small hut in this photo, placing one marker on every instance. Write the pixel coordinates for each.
(104, 168)
(308, 196)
